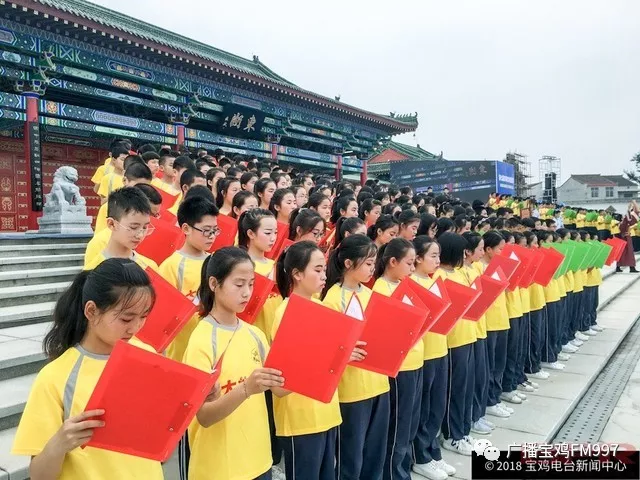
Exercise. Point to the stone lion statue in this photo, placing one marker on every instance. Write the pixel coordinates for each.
(64, 191)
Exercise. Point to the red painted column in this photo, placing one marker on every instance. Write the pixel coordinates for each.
(339, 168)
(32, 116)
(180, 134)
(365, 173)
(274, 152)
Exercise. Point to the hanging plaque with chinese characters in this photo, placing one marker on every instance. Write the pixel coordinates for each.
(37, 195)
(240, 121)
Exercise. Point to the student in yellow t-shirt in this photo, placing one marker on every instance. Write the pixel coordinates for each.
(435, 375)
(591, 287)
(167, 182)
(229, 437)
(129, 222)
(363, 395)
(100, 239)
(183, 269)
(94, 313)
(396, 260)
(456, 426)
(188, 179)
(100, 172)
(113, 180)
(307, 429)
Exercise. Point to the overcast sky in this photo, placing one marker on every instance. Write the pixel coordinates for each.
(543, 77)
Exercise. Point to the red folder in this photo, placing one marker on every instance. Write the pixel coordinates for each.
(328, 236)
(391, 329)
(444, 324)
(168, 217)
(312, 347)
(551, 262)
(411, 291)
(149, 401)
(262, 287)
(168, 200)
(462, 297)
(506, 264)
(492, 286)
(278, 246)
(228, 231)
(171, 311)
(535, 263)
(618, 245)
(165, 240)
(520, 254)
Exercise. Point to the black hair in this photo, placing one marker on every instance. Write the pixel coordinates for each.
(422, 244)
(276, 177)
(529, 222)
(146, 148)
(452, 247)
(132, 159)
(517, 236)
(261, 186)
(184, 162)
(188, 177)
(473, 240)
(444, 225)
(408, 216)
(191, 210)
(460, 221)
(277, 198)
(492, 239)
(305, 219)
(138, 171)
(222, 188)
(507, 235)
(426, 221)
(357, 249)
(362, 196)
(396, 248)
(150, 192)
(296, 257)
(389, 208)
(368, 205)
(212, 173)
(199, 191)
(340, 204)
(151, 155)
(250, 220)
(562, 232)
(126, 200)
(164, 157)
(530, 236)
(315, 199)
(218, 265)
(118, 150)
(239, 199)
(384, 222)
(246, 177)
(114, 282)
(542, 235)
(345, 225)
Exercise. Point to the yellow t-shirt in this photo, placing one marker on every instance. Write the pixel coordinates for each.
(164, 186)
(296, 414)
(61, 390)
(266, 316)
(239, 446)
(474, 271)
(562, 289)
(435, 344)
(109, 183)
(415, 358)
(580, 220)
(600, 225)
(551, 292)
(101, 219)
(536, 297)
(183, 272)
(525, 296)
(464, 331)
(594, 278)
(514, 303)
(101, 171)
(175, 206)
(615, 227)
(569, 281)
(578, 281)
(355, 384)
(141, 260)
(96, 245)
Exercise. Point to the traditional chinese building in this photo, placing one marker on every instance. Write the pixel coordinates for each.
(379, 165)
(75, 75)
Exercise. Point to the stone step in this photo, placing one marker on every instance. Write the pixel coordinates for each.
(37, 239)
(12, 467)
(13, 399)
(12, 264)
(20, 356)
(39, 249)
(38, 276)
(22, 295)
(25, 314)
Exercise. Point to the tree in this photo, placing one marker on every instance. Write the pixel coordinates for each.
(634, 176)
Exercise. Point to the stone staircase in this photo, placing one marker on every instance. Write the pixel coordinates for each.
(34, 271)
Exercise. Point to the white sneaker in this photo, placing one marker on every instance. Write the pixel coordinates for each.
(480, 428)
(591, 332)
(569, 348)
(540, 375)
(553, 366)
(576, 343)
(521, 395)
(563, 357)
(597, 328)
(526, 388)
(497, 411)
(511, 397)
(581, 336)
(442, 465)
(506, 408)
(489, 424)
(457, 446)
(277, 473)
(532, 384)
(470, 440)
(430, 470)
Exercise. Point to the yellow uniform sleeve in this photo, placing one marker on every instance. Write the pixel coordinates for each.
(98, 175)
(101, 219)
(168, 271)
(199, 352)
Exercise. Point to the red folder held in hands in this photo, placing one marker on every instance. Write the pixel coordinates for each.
(520, 254)
(149, 401)
(312, 347)
(437, 300)
(506, 264)
(168, 200)
(169, 314)
(618, 245)
(462, 297)
(534, 265)
(391, 329)
(283, 235)
(262, 287)
(165, 239)
(228, 230)
(492, 286)
(417, 295)
(551, 261)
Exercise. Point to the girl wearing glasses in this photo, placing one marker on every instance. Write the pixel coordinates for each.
(306, 224)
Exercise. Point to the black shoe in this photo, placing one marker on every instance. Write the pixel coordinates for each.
(618, 270)
(633, 270)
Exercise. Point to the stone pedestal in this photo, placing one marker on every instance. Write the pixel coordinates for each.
(73, 219)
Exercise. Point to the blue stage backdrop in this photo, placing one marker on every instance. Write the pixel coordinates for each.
(468, 180)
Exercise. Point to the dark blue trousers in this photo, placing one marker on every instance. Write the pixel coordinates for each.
(265, 476)
(561, 309)
(590, 306)
(596, 302)
(276, 448)
(567, 334)
(536, 329)
(435, 374)
(310, 456)
(459, 407)
(523, 350)
(550, 333)
(406, 396)
(578, 313)
(481, 384)
(511, 377)
(362, 438)
(497, 342)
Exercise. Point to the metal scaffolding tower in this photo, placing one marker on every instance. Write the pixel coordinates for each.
(522, 167)
(549, 164)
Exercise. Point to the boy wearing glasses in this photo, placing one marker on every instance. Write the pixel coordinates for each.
(197, 217)
(128, 219)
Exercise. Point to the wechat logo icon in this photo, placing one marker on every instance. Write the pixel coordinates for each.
(485, 448)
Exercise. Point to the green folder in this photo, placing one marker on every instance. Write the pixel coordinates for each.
(567, 250)
(581, 249)
(602, 253)
(590, 256)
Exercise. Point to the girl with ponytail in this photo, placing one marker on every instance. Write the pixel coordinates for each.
(227, 189)
(101, 307)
